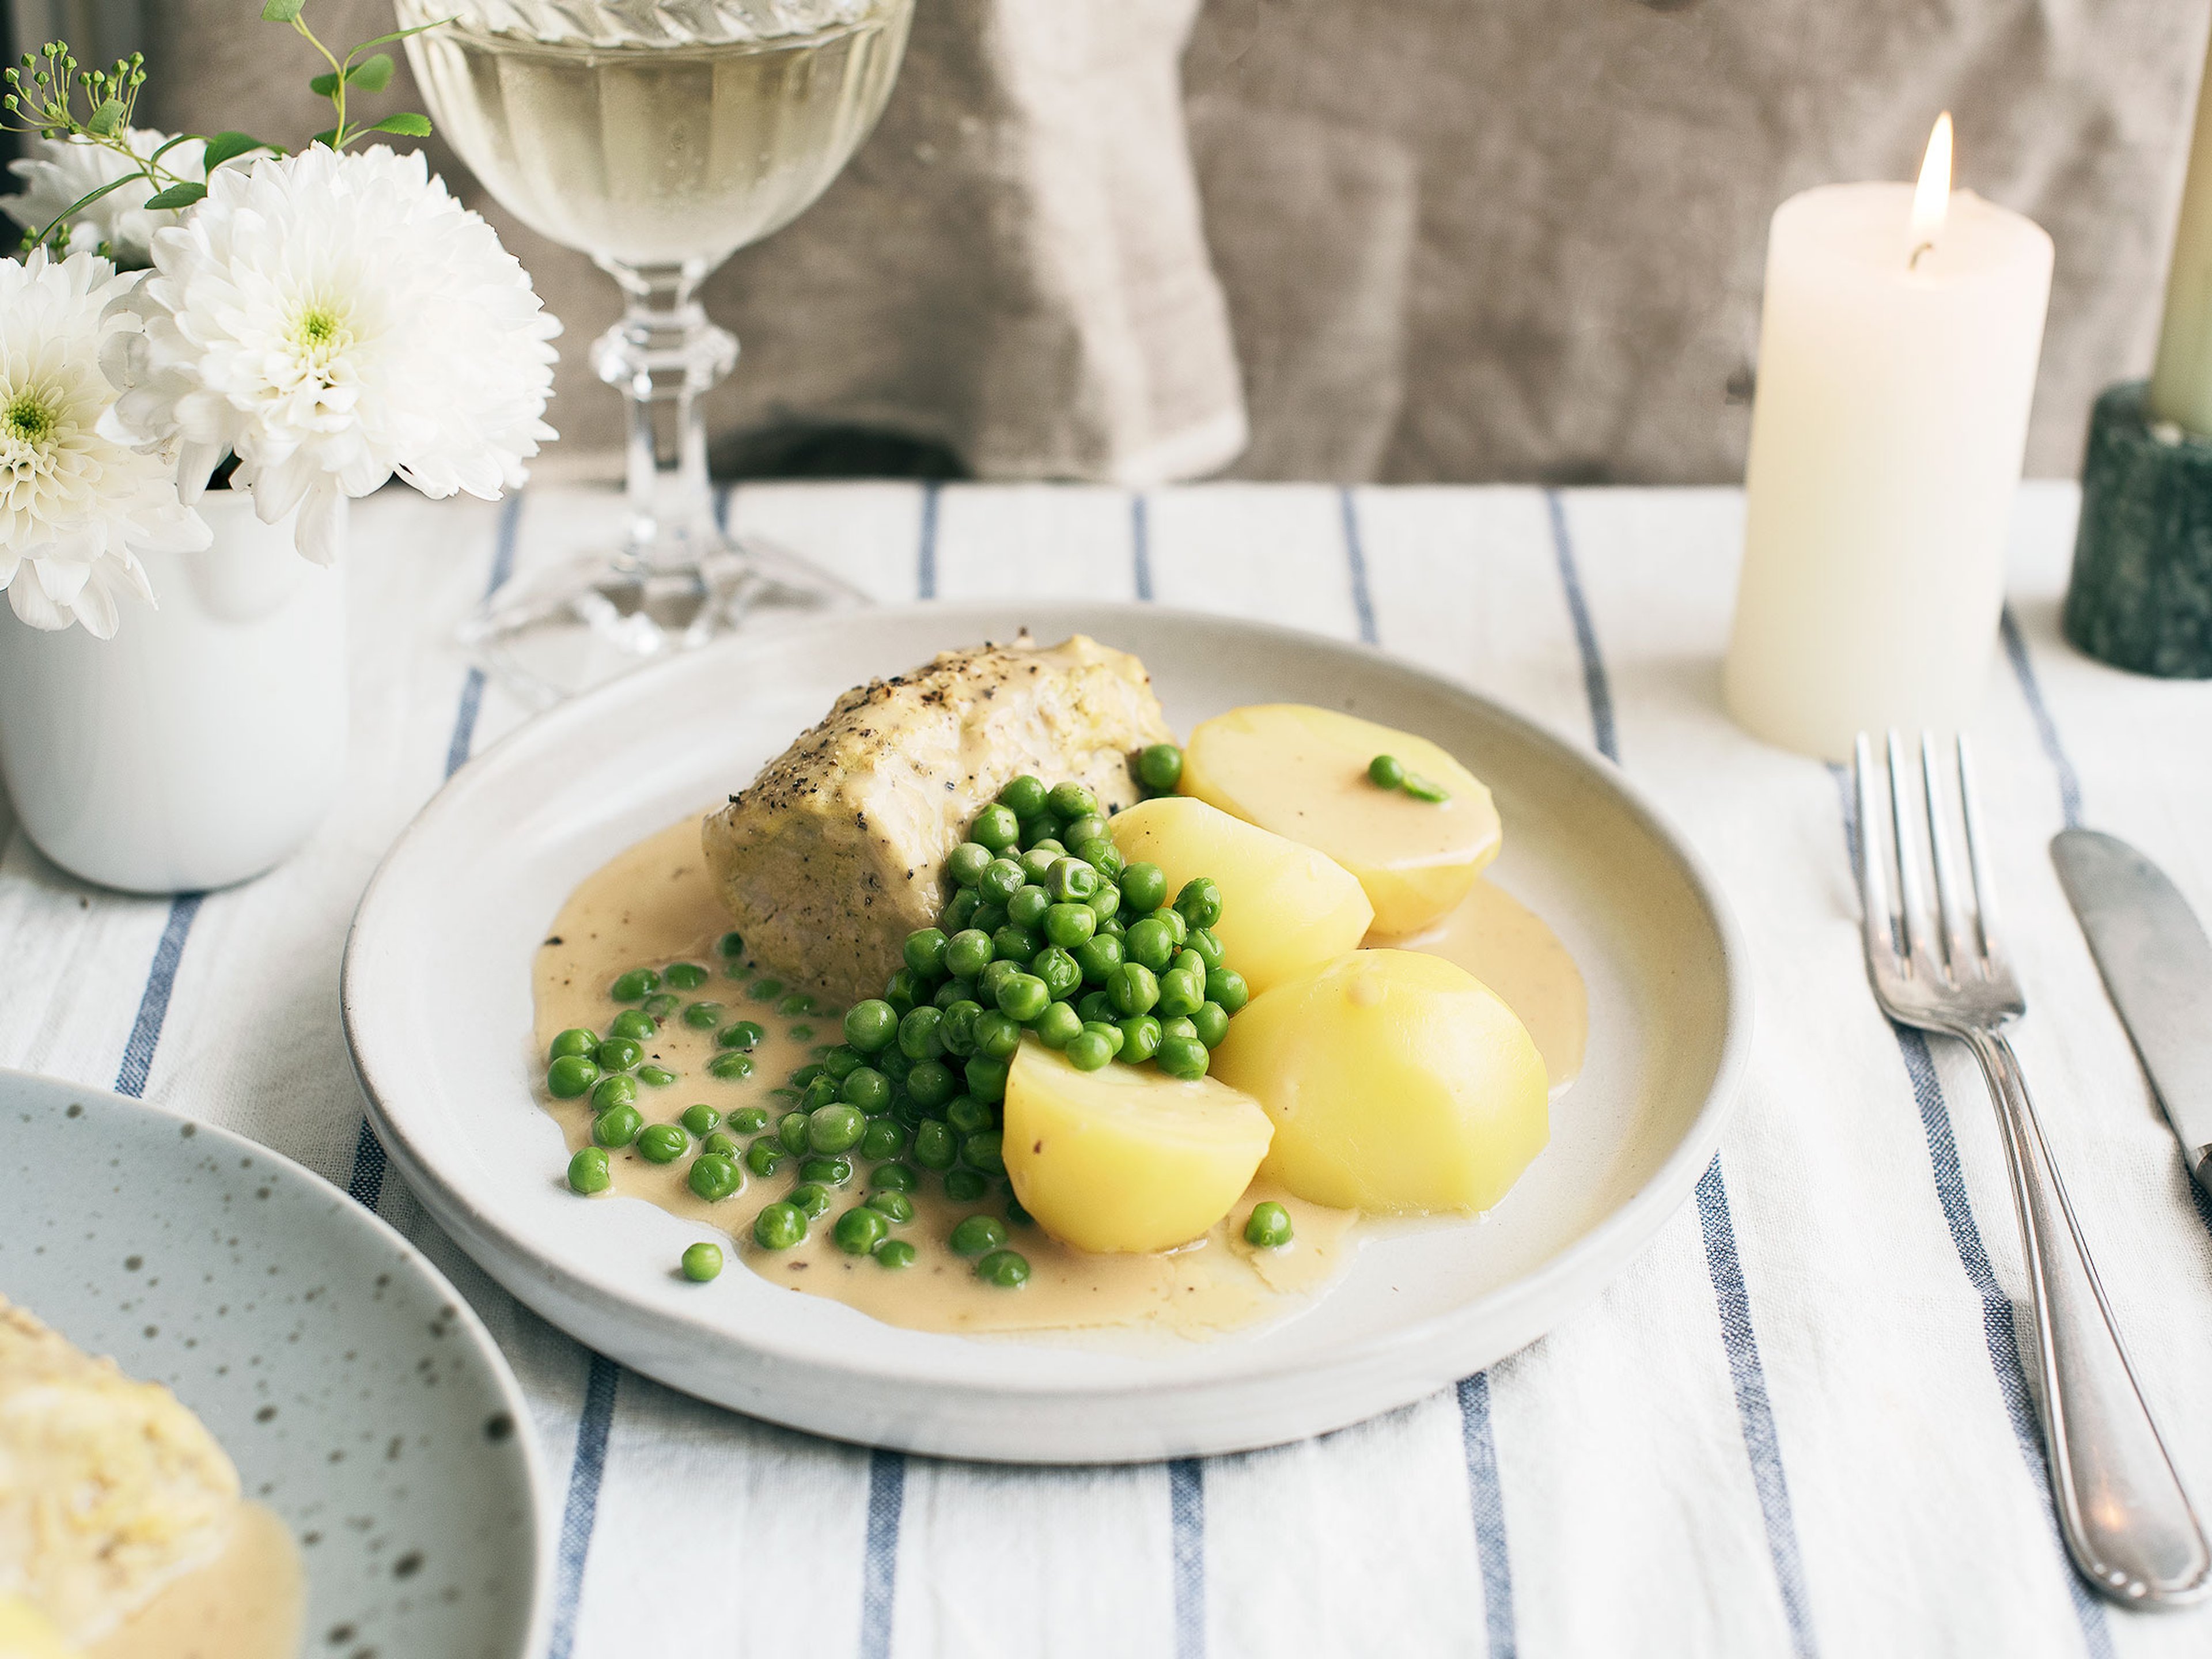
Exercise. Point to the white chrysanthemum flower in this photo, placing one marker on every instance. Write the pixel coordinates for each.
(330, 320)
(73, 500)
(60, 172)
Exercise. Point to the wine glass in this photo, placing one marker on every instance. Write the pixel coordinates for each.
(658, 136)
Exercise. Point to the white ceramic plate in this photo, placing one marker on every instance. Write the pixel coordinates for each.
(437, 997)
(348, 1380)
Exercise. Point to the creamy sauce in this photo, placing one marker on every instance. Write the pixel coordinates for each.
(656, 903)
(244, 1604)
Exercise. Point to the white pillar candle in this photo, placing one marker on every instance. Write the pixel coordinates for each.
(1896, 358)
(2181, 384)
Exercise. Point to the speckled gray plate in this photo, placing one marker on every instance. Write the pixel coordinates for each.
(358, 1395)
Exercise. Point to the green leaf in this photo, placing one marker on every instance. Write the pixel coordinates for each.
(281, 11)
(178, 196)
(106, 119)
(323, 84)
(370, 74)
(228, 146)
(387, 39)
(327, 136)
(406, 124)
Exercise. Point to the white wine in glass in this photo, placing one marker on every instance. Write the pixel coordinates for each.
(659, 138)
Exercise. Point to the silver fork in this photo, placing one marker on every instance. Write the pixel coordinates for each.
(2122, 1510)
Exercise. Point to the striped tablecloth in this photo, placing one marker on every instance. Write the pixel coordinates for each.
(1797, 1424)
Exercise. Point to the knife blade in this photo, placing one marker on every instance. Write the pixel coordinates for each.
(2157, 965)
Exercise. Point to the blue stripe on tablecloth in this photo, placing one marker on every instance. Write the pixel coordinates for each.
(880, 1568)
(1724, 1263)
(1186, 1554)
(2046, 729)
(1141, 544)
(1998, 1331)
(1486, 1492)
(580, 1510)
(154, 1001)
(1487, 1498)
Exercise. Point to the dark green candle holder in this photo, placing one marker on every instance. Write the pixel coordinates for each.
(2141, 597)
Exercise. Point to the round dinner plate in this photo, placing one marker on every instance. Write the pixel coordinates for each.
(359, 1397)
(437, 1004)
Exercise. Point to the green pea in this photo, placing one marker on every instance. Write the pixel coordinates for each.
(811, 1198)
(569, 1076)
(1183, 1057)
(1421, 788)
(924, 953)
(967, 1114)
(1107, 1028)
(612, 1091)
(976, 1234)
(588, 1171)
(983, 1151)
(894, 1065)
(572, 1042)
(1093, 1006)
(1097, 957)
(618, 1054)
(703, 1016)
(892, 1206)
(784, 1097)
(1140, 1039)
(1106, 905)
(860, 1231)
(1014, 942)
(804, 1076)
(989, 917)
(919, 1036)
(660, 1006)
(1058, 1025)
(968, 953)
(656, 1077)
(732, 946)
(765, 1155)
(1159, 767)
(713, 1177)
(960, 909)
(1181, 992)
(1027, 908)
(792, 1006)
(701, 1262)
(893, 1177)
(664, 1143)
(995, 828)
(1112, 927)
(719, 1143)
(826, 1171)
(1001, 879)
(957, 1032)
(1208, 944)
(1024, 997)
(1087, 1051)
(834, 1128)
(1102, 855)
(934, 1147)
(730, 1066)
(1386, 772)
(748, 1120)
(1227, 987)
(903, 990)
(1058, 969)
(1024, 797)
(1067, 926)
(801, 1033)
(779, 1227)
(1040, 833)
(744, 1034)
(997, 1035)
(1007, 1269)
(867, 1088)
(931, 1084)
(987, 1079)
(1071, 801)
(1268, 1226)
(634, 986)
(965, 863)
(1089, 827)
(1036, 865)
(870, 1026)
(966, 1186)
(894, 1252)
(1199, 902)
(1178, 1025)
(684, 975)
(1188, 961)
(702, 1119)
(1144, 887)
(1212, 1024)
(618, 1126)
(993, 979)
(791, 1130)
(1133, 989)
(1149, 944)
(1071, 880)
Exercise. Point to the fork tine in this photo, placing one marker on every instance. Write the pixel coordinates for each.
(1985, 892)
(1874, 913)
(1920, 944)
(1958, 937)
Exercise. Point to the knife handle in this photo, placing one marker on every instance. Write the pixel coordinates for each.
(2126, 1520)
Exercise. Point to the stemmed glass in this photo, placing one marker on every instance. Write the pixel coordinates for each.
(658, 136)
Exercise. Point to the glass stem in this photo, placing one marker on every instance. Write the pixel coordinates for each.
(663, 356)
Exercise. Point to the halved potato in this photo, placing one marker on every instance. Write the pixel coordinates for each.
(1397, 1082)
(1302, 772)
(1285, 908)
(1126, 1158)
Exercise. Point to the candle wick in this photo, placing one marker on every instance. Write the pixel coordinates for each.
(1913, 264)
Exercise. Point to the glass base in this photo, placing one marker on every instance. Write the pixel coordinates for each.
(597, 617)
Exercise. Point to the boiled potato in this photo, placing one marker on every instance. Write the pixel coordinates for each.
(1284, 908)
(1302, 773)
(1126, 1158)
(1397, 1082)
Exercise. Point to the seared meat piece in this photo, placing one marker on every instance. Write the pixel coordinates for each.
(834, 854)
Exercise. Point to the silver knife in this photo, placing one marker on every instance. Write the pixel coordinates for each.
(2157, 964)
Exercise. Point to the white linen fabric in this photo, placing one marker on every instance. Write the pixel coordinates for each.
(1797, 1424)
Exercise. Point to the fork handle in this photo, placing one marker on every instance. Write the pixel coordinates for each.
(2125, 1518)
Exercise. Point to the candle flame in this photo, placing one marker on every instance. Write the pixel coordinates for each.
(1931, 197)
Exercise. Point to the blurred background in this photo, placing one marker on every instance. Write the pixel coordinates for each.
(1398, 240)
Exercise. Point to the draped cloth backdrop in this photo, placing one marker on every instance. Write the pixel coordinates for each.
(1396, 240)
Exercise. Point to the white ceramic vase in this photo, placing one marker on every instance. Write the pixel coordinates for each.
(204, 742)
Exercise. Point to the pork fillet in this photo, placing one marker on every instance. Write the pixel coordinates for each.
(834, 853)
